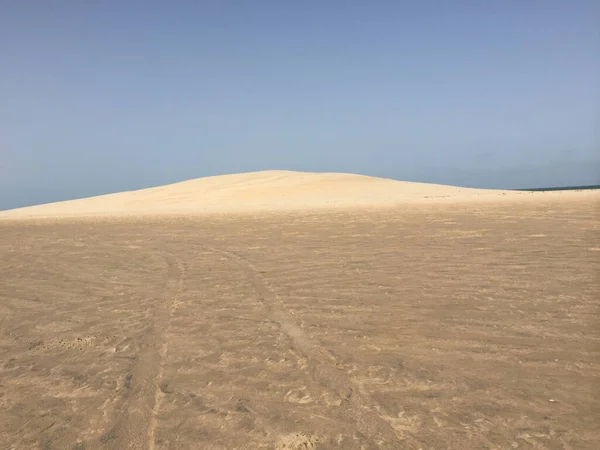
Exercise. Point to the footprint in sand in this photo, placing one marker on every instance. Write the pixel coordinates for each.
(299, 396)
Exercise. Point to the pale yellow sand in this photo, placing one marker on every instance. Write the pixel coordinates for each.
(272, 191)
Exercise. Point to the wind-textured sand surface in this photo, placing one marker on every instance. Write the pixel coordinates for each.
(467, 319)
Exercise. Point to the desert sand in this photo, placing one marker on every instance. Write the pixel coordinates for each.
(275, 191)
(282, 310)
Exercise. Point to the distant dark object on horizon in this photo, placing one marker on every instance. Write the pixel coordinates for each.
(565, 188)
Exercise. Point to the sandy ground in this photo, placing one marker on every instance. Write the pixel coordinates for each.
(426, 325)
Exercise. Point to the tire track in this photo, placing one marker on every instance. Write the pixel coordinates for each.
(356, 404)
(136, 429)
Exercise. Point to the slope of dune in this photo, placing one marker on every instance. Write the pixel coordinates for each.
(255, 191)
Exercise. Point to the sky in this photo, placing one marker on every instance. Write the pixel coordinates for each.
(99, 97)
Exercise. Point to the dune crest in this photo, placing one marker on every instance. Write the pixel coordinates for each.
(277, 190)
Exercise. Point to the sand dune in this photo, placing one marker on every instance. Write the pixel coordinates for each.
(268, 191)
(254, 191)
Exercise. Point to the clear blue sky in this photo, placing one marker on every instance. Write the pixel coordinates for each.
(99, 97)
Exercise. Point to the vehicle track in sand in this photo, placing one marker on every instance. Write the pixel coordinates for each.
(355, 404)
(136, 426)
(137, 423)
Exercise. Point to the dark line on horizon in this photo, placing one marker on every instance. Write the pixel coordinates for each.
(562, 188)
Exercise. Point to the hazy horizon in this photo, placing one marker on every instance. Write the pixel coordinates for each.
(103, 98)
